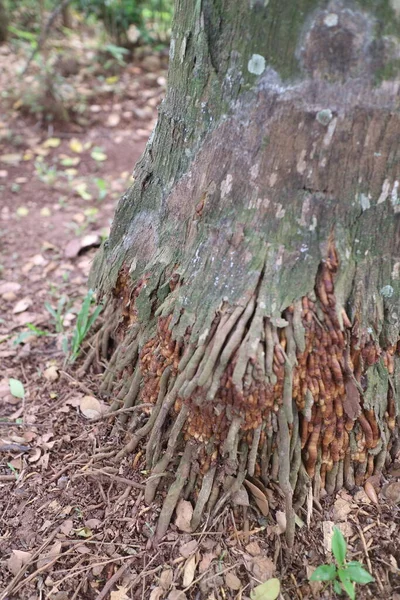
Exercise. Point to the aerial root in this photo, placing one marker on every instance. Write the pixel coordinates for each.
(203, 497)
(143, 431)
(254, 451)
(132, 395)
(174, 492)
(161, 466)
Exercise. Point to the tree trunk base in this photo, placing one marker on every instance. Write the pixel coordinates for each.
(256, 400)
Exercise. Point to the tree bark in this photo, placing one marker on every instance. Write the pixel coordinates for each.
(3, 23)
(253, 268)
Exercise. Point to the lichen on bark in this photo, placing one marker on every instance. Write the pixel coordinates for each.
(254, 266)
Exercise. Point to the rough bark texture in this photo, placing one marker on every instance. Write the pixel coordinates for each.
(253, 269)
(3, 23)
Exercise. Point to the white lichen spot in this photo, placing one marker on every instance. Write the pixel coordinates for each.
(396, 271)
(387, 291)
(348, 253)
(329, 134)
(183, 49)
(313, 148)
(204, 335)
(314, 222)
(322, 163)
(384, 192)
(395, 4)
(254, 171)
(324, 116)
(305, 209)
(395, 197)
(331, 20)
(172, 49)
(256, 64)
(262, 305)
(280, 211)
(377, 154)
(364, 201)
(226, 185)
(301, 163)
(273, 179)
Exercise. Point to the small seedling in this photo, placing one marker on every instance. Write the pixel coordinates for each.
(344, 575)
(58, 314)
(24, 335)
(84, 321)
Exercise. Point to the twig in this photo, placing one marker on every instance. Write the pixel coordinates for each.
(82, 386)
(24, 568)
(113, 413)
(117, 575)
(116, 478)
(45, 31)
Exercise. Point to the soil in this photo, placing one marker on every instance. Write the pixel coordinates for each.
(75, 528)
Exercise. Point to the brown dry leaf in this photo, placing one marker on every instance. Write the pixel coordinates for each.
(49, 557)
(75, 246)
(187, 549)
(119, 594)
(113, 120)
(90, 407)
(184, 513)
(371, 493)
(259, 497)
(206, 561)
(51, 373)
(9, 286)
(341, 509)
(262, 568)
(67, 526)
(93, 523)
(17, 559)
(177, 595)
(156, 593)
(232, 581)
(241, 497)
(253, 548)
(22, 306)
(35, 454)
(189, 571)
(166, 579)
(392, 492)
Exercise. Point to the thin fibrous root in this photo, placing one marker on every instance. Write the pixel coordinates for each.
(204, 495)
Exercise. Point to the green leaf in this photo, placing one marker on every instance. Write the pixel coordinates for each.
(16, 388)
(349, 588)
(324, 573)
(358, 574)
(98, 155)
(269, 590)
(337, 587)
(339, 546)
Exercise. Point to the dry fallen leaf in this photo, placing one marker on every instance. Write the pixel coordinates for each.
(341, 509)
(176, 595)
(371, 493)
(205, 562)
(90, 407)
(187, 549)
(259, 497)
(189, 571)
(253, 548)
(184, 513)
(66, 527)
(119, 594)
(232, 581)
(280, 521)
(17, 559)
(262, 568)
(166, 579)
(156, 593)
(22, 306)
(392, 492)
(51, 373)
(9, 286)
(49, 558)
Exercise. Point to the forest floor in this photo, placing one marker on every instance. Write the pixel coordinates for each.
(72, 529)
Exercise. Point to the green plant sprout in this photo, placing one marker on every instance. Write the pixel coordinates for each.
(344, 575)
(58, 314)
(84, 321)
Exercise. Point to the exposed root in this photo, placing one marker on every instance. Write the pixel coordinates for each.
(282, 399)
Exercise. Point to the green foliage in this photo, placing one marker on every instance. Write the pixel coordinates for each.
(58, 313)
(269, 590)
(84, 321)
(16, 388)
(344, 574)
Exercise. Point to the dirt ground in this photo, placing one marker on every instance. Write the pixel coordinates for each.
(73, 526)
